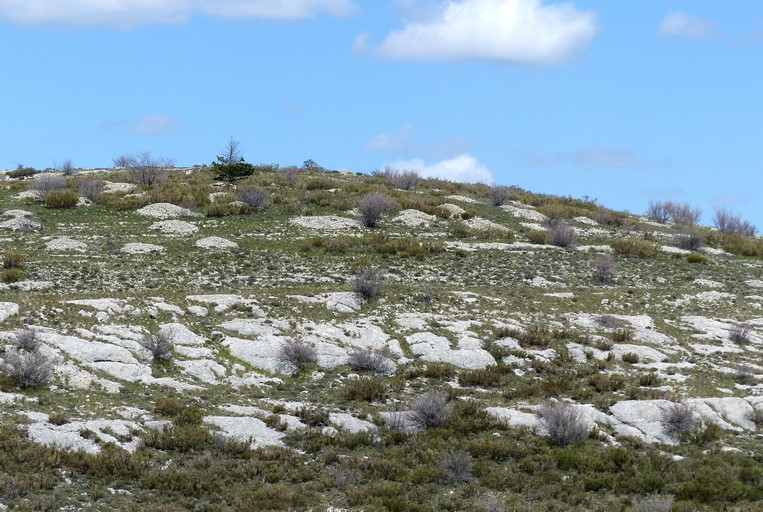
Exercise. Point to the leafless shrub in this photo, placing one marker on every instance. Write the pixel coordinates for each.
(29, 369)
(690, 239)
(367, 282)
(145, 169)
(160, 345)
(90, 188)
(291, 174)
(609, 321)
(67, 168)
(26, 340)
(739, 334)
(756, 416)
(397, 421)
(678, 420)
(657, 211)
(44, 183)
(683, 213)
(728, 222)
(253, 196)
(457, 466)
(498, 194)
(344, 476)
(745, 375)
(654, 503)
(372, 206)
(562, 235)
(123, 161)
(565, 423)
(487, 503)
(402, 179)
(375, 360)
(297, 353)
(604, 269)
(431, 410)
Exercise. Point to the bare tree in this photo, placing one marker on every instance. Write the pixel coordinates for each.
(44, 183)
(231, 154)
(26, 340)
(562, 235)
(728, 222)
(145, 169)
(90, 188)
(123, 161)
(658, 212)
(371, 207)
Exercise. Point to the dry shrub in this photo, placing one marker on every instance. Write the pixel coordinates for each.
(90, 188)
(45, 183)
(690, 239)
(565, 423)
(374, 360)
(654, 503)
(562, 235)
(29, 369)
(253, 196)
(367, 282)
(604, 269)
(739, 334)
(498, 194)
(728, 222)
(457, 466)
(297, 354)
(678, 420)
(26, 340)
(372, 206)
(12, 259)
(160, 345)
(431, 410)
(402, 179)
(145, 169)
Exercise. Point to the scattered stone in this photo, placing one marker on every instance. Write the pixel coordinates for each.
(414, 218)
(141, 248)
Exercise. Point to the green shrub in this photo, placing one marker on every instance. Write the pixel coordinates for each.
(22, 172)
(489, 376)
(63, 198)
(12, 275)
(367, 389)
(634, 247)
(696, 257)
(232, 171)
(630, 357)
(538, 236)
(623, 334)
(221, 210)
(13, 259)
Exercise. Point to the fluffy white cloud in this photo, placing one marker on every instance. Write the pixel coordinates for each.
(522, 31)
(681, 24)
(463, 168)
(131, 13)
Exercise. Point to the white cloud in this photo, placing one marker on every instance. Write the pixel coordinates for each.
(681, 24)
(523, 31)
(154, 123)
(463, 168)
(132, 13)
(400, 142)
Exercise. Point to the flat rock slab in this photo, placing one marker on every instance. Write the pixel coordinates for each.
(437, 349)
(7, 310)
(223, 302)
(349, 423)
(248, 429)
(325, 222)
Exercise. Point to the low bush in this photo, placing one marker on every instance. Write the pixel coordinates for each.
(29, 369)
(489, 376)
(634, 247)
(562, 235)
(696, 257)
(22, 172)
(26, 340)
(89, 188)
(457, 466)
(372, 206)
(623, 334)
(498, 194)
(564, 422)
(367, 389)
(431, 410)
(630, 357)
(678, 421)
(160, 346)
(232, 171)
(11, 275)
(604, 269)
(373, 360)
(739, 334)
(255, 197)
(649, 379)
(297, 354)
(690, 239)
(538, 236)
(44, 183)
(367, 282)
(12, 259)
(64, 198)
(402, 179)
(654, 503)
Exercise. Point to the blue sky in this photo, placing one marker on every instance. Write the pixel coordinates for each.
(620, 101)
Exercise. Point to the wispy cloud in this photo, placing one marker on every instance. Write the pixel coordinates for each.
(511, 31)
(592, 157)
(133, 13)
(463, 168)
(155, 123)
(681, 24)
(403, 143)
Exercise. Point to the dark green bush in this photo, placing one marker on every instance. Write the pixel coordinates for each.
(232, 171)
(62, 198)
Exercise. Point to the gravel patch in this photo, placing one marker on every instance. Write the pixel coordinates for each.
(140, 248)
(174, 227)
(165, 211)
(216, 242)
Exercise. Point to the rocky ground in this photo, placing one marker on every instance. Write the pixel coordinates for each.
(504, 329)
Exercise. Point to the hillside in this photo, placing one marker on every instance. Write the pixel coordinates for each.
(250, 345)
